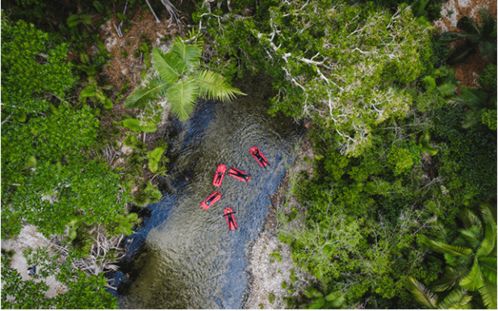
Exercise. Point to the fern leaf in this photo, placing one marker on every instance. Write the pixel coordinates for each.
(138, 98)
(169, 66)
(189, 53)
(473, 280)
(488, 295)
(213, 86)
(489, 241)
(422, 294)
(444, 248)
(181, 97)
(456, 299)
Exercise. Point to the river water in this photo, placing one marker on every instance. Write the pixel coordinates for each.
(189, 258)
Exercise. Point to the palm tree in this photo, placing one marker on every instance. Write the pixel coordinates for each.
(474, 36)
(456, 299)
(470, 260)
(180, 80)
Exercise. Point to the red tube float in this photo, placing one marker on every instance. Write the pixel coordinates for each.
(259, 156)
(228, 213)
(214, 197)
(219, 175)
(240, 175)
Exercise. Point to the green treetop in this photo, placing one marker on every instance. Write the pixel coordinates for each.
(181, 81)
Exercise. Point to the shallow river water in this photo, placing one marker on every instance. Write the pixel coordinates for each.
(189, 258)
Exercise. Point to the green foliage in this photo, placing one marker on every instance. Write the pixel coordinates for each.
(365, 215)
(19, 294)
(154, 157)
(271, 298)
(86, 292)
(456, 299)
(361, 219)
(181, 81)
(403, 159)
(34, 69)
(275, 255)
(146, 194)
(475, 242)
(139, 126)
(53, 195)
(349, 72)
(28, 149)
(422, 294)
(96, 94)
(467, 152)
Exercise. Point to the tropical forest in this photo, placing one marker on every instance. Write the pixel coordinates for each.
(249, 154)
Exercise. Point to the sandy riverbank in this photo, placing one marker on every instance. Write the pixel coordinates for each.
(270, 260)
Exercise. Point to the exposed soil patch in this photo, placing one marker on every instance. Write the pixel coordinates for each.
(453, 10)
(127, 60)
(468, 72)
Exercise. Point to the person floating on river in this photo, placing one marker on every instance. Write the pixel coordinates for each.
(239, 174)
(230, 218)
(219, 175)
(259, 156)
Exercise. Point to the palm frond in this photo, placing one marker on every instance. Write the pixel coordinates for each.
(189, 53)
(169, 66)
(468, 217)
(140, 96)
(488, 295)
(444, 248)
(489, 241)
(456, 299)
(422, 294)
(468, 25)
(488, 268)
(182, 96)
(473, 280)
(450, 277)
(488, 24)
(214, 86)
(471, 97)
(472, 235)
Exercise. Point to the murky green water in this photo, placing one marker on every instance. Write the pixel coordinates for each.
(190, 258)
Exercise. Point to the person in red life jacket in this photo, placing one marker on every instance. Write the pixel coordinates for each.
(219, 175)
(239, 174)
(256, 153)
(214, 197)
(230, 219)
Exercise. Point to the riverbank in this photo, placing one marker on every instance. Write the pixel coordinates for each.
(273, 276)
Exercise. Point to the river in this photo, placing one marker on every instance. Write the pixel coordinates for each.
(189, 259)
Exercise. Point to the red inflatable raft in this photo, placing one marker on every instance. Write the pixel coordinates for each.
(219, 175)
(240, 175)
(210, 200)
(228, 213)
(258, 156)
